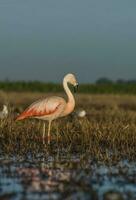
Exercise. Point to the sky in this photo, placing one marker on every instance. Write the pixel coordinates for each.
(45, 39)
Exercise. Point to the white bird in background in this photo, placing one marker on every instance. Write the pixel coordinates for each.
(80, 113)
(4, 112)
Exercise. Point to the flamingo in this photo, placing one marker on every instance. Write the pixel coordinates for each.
(53, 107)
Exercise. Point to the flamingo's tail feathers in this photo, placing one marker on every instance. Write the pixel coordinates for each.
(20, 117)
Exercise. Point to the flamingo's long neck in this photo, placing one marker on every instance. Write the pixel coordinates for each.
(71, 101)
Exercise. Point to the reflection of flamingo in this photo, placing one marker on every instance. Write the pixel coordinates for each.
(34, 179)
(52, 107)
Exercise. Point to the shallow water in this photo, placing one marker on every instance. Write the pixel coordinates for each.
(44, 179)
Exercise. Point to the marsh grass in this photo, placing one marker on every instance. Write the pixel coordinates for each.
(107, 133)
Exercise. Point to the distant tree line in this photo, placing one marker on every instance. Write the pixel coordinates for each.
(105, 80)
(29, 86)
(102, 85)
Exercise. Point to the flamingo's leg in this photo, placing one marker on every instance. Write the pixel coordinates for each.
(49, 128)
(43, 133)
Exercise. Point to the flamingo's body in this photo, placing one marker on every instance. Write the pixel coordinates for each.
(45, 109)
(52, 107)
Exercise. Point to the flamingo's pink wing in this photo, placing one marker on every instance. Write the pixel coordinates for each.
(40, 108)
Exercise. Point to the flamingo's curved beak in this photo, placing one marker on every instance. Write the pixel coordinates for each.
(76, 87)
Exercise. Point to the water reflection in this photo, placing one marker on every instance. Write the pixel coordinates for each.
(38, 180)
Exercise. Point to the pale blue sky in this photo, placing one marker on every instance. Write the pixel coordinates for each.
(44, 39)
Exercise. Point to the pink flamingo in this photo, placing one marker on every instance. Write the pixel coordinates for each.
(52, 107)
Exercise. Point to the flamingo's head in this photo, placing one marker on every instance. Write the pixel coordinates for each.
(70, 78)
